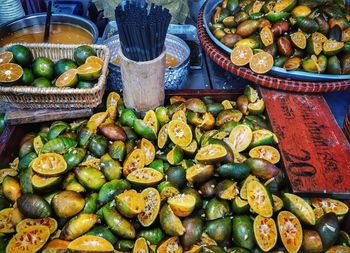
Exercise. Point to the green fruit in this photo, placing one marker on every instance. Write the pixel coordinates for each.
(63, 65)
(125, 245)
(91, 203)
(90, 177)
(110, 168)
(118, 224)
(307, 24)
(219, 229)
(237, 171)
(103, 232)
(98, 145)
(34, 206)
(262, 168)
(42, 82)
(207, 190)
(277, 16)
(85, 85)
(195, 194)
(333, 65)
(117, 150)
(243, 232)
(193, 231)
(176, 176)
(239, 206)
(212, 249)
(162, 115)
(216, 208)
(175, 155)
(66, 204)
(26, 160)
(44, 67)
(74, 157)
(78, 225)
(25, 180)
(238, 250)
(27, 77)
(84, 137)
(300, 208)
(21, 54)
(142, 129)
(44, 184)
(215, 108)
(57, 129)
(328, 229)
(226, 189)
(158, 165)
(81, 53)
(111, 189)
(127, 117)
(59, 145)
(170, 223)
(153, 235)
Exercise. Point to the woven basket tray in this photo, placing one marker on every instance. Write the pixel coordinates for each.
(223, 60)
(29, 97)
(346, 126)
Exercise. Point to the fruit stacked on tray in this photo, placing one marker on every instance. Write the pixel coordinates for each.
(313, 36)
(18, 67)
(196, 175)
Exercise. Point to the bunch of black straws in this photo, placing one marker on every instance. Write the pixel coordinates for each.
(142, 29)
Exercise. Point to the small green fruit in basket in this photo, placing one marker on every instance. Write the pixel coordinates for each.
(82, 53)
(21, 54)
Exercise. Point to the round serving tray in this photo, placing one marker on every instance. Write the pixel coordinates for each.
(221, 57)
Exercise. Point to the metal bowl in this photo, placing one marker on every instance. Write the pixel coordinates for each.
(174, 76)
(39, 19)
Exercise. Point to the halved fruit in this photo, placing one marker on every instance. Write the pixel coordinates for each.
(170, 245)
(49, 164)
(111, 105)
(261, 62)
(300, 208)
(330, 205)
(259, 199)
(136, 160)
(211, 154)
(179, 115)
(240, 138)
(332, 47)
(298, 39)
(10, 73)
(227, 189)
(90, 244)
(284, 5)
(257, 107)
(199, 173)
(38, 144)
(277, 203)
(148, 149)
(163, 136)
(49, 222)
(7, 172)
(95, 59)
(56, 246)
(180, 133)
(243, 191)
(89, 71)
(145, 177)
(140, 246)
(30, 240)
(263, 137)
(338, 249)
(6, 57)
(144, 130)
(190, 149)
(152, 205)
(151, 120)
(130, 203)
(67, 79)
(290, 231)
(6, 224)
(44, 183)
(182, 204)
(240, 56)
(266, 36)
(96, 120)
(265, 152)
(170, 223)
(265, 232)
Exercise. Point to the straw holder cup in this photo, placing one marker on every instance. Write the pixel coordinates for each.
(143, 82)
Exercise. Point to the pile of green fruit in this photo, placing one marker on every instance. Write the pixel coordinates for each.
(18, 67)
(309, 35)
(196, 175)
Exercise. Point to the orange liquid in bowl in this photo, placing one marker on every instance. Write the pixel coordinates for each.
(59, 34)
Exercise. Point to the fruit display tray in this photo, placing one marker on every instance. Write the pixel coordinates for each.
(314, 150)
(221, 58)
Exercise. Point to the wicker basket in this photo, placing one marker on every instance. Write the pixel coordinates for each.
(28, 97)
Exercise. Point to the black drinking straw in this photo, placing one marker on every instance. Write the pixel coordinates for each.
(142, 29)
(48, 22)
